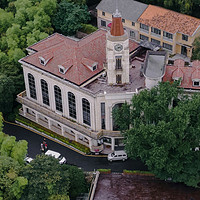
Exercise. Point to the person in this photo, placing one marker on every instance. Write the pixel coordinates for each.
(45, 146)
(42, 147)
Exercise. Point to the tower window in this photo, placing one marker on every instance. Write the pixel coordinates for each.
(118, 62)
(119, 79)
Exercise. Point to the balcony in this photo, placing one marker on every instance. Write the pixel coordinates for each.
(22, 98)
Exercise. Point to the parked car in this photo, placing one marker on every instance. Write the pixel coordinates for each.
(56, 155)
(117, 155)
(28, 159)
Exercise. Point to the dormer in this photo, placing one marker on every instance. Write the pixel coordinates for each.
(177, 75)
(65, 66)
(44, 59)
(90, 64)
(196, 78)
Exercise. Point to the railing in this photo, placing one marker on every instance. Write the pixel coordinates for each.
(22, 98)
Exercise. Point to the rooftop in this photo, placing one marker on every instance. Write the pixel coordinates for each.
(129, 187)
(169, 20)
(130, 10)
(100, 85)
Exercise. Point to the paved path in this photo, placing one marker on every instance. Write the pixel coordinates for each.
(86, 163)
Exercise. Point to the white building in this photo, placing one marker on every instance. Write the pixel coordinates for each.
(72, 86)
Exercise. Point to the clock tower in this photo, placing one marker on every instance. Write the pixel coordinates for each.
(117, 52)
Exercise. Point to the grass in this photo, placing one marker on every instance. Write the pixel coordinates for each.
(52, 134)
(104, 170)
(137, 172)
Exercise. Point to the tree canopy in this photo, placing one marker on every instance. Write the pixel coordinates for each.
(164, 132)
(69, 17)
(196, 50)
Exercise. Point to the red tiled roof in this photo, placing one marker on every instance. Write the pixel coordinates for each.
(73, 55)
(169, 21)
(63, 48)
(187, 73)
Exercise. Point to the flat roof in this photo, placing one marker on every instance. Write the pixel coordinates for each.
(129, 187)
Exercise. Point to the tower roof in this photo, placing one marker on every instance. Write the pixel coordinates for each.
(117, 26)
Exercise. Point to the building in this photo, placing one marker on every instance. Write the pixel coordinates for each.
(189, 75)
(174, 32)
(72, 86)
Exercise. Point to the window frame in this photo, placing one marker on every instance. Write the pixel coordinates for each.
(58, 98)
(86, 112)
(45, 92)
(72, 105)
(185, 37)
(154, 41)
(32, 87)
(155, 31)
(166, 45)
(167, 35)
(103, 13)
(144, 27)
(118, 62)
(103, 23)
(144, 37)
(119, 79)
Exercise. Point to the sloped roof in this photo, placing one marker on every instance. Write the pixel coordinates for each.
(169, 21)
(178, 73)
(189, 73)
(129, 9)
(63, 48)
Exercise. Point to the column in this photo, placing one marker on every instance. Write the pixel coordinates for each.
(62, 130)
(36, 117)
(113, 144)
(76, 137)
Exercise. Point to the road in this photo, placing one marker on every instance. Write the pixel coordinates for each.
(86, 163)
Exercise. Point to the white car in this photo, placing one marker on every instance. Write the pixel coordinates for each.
(117, 155)
(28, 159)
(56, 155)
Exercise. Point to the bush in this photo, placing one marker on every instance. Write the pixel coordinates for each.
(104, 171)
(88, 28)
(136, 172)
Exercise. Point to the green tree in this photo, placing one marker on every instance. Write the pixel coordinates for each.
(165, 129)
(11, 184)
(69, 17)
(196, 50)
(46, 178)
(6, 91)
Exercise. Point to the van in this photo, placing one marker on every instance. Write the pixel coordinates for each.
(117, 155)
(56, 155)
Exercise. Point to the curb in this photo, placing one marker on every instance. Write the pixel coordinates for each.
(53, 139)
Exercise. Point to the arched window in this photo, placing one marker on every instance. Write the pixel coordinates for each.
(86, 111)
(72, 105)
(31, 81)
(45, 92)
(58, 98)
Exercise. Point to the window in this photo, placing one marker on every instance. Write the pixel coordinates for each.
(86, 111)
(103, 23)
(94, 67)
(144, 27)
(45, 92)
(123, 20)
(196, 83)
(184, 37)
(156, 31)
(167, 35)
(167, 46)
(132, 34)
(143, 37)
(103, 13)
(42, 61)
(155, 41)
(118, 62)
(72, 105)
(31, 81)
(61, 70)
(133, 23)
(58, 98)
(119, 79)
(103, 126)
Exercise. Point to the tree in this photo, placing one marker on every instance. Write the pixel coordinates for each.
(165, 130)
(46, 178)
(11, 184)
(7, 90)
(196, 50)
(69, 17)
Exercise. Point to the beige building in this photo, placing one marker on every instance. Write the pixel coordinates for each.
(72, 86)
(170, 30)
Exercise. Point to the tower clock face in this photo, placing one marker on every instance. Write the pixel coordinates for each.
(118, 47)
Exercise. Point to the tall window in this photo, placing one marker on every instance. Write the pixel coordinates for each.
(103, 126)
(86, 111)
(72, 105)
(58, 98)
(45, 92)
(132, 34)
(103, 23)
(118, 62)
(31, 81)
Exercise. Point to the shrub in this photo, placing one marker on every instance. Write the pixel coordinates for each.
(88, 28)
